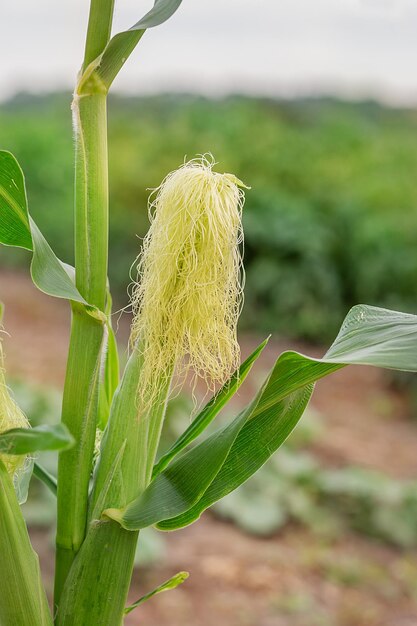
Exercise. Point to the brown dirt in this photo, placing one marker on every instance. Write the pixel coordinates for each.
(295, 578)
(38, 331)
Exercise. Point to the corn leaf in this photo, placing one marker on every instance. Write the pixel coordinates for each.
(368, 335)
(14, 219)
(211, 410)
(185, 481)
(18, 229)
(121, 45)
(172, 583)
(49, 274)
(19, 441)
(44, 476)
(22, 596)
(161, 11)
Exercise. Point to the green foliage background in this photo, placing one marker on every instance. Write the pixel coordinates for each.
(331, 219)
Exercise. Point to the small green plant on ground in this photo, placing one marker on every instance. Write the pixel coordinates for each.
(186, 306)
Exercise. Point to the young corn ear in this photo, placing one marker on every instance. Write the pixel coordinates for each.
(189, 292)
(10, 417)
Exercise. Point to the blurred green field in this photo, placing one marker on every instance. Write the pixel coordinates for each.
(331, 219)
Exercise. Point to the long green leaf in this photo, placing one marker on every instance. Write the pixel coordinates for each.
(22, 596)
(211, 410)
(172, 583)
(161, 11)
(18, 229)
(264, 432)
(182, 484)
(368, 336)
(122, 45)
(19, 441)
(14, 219)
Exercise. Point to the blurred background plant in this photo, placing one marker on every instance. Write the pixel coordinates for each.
(330, 220)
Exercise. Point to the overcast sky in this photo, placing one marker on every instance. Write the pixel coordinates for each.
(357, 48)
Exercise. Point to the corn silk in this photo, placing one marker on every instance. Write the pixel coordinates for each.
(188, 296)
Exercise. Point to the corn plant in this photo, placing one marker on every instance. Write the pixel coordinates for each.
(111, 481)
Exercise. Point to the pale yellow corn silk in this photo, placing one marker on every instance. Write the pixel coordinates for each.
(10, 417)
(189, 293)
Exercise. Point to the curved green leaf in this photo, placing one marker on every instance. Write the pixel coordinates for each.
(161, 11)
(18, 229)
(211, 410)
(14, 218)
(172, 583)
(44, 476)
(183, 482)
(369, 336)
(49, 274)
(27, 440)
(122, 45)
(373, 336)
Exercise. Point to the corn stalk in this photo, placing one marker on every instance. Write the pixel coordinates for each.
(186, 304)
(81, 392)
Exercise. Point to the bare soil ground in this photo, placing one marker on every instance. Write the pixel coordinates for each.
(293, 578)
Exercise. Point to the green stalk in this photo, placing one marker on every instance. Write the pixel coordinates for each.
(125, 469)
(74, 468)
(22, 596)
(80, 401)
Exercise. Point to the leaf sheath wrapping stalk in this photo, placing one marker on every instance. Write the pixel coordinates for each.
(91, 202)
(96, 588)
(80, 401)
(107, 554)
(22, 597)
(99, 28)
(79, 414)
